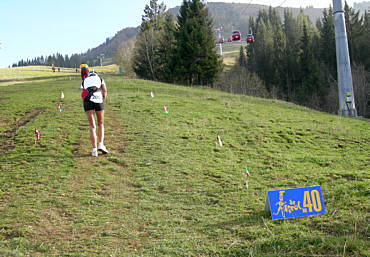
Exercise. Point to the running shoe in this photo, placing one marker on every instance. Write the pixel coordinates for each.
(102, 148)
(94, 153)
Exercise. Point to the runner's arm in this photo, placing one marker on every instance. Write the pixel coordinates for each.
(104, 91)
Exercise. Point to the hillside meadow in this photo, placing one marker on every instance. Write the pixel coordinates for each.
(167, 188)
(20, 75)
(230, 54)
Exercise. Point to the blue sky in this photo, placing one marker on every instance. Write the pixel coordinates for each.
(31, 28)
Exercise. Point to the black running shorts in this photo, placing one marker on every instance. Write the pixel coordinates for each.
(88, 106)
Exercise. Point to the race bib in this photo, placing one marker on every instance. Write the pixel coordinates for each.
(97, 97)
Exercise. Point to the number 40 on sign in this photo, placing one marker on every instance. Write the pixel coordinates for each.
(296, 202)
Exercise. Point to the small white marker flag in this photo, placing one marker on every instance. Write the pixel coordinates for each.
(219, 140)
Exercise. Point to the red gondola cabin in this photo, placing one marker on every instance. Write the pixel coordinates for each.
(236, 35)
(250, 38)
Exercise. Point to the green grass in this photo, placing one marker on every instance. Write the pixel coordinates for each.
(167, 188)
(230, 54)
(20, 75)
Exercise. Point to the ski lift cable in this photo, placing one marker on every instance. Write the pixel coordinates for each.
(250, 3)
(281, 4)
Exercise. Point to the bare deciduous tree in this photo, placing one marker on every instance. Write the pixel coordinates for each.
(123, 55)
(239, 81)
(361, 88)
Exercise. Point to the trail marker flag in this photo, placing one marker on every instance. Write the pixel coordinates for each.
(246, 177)
(294, 203)
(165, 109)
(37, 135)
(219, 140)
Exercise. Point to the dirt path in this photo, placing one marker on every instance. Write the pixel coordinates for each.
(7, 142)
(98, 199)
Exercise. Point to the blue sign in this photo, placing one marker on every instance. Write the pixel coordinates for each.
(294, 203)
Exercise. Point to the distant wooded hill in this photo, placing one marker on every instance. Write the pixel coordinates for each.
(363, 6)
(235, 16)
(109, 47)
(231, 16)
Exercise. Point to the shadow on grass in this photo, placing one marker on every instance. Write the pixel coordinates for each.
(74, 156)
(81, 155)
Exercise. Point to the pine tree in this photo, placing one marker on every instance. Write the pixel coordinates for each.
(242, 57)
(166, 49)
(309, 70)
(145, 62)
(261, 51)
(354, 30)
(274, 19)
(279, 45)
(153, 16)
(67, 62)
(291, 68)
(316, 40)
(196, 59)
(49, 61)
(60, 60)
(327, 46)
(363, 41)
(252, 26)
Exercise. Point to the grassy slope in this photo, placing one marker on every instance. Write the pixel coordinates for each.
(39, 73)
(167, 188)
(230, 53)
